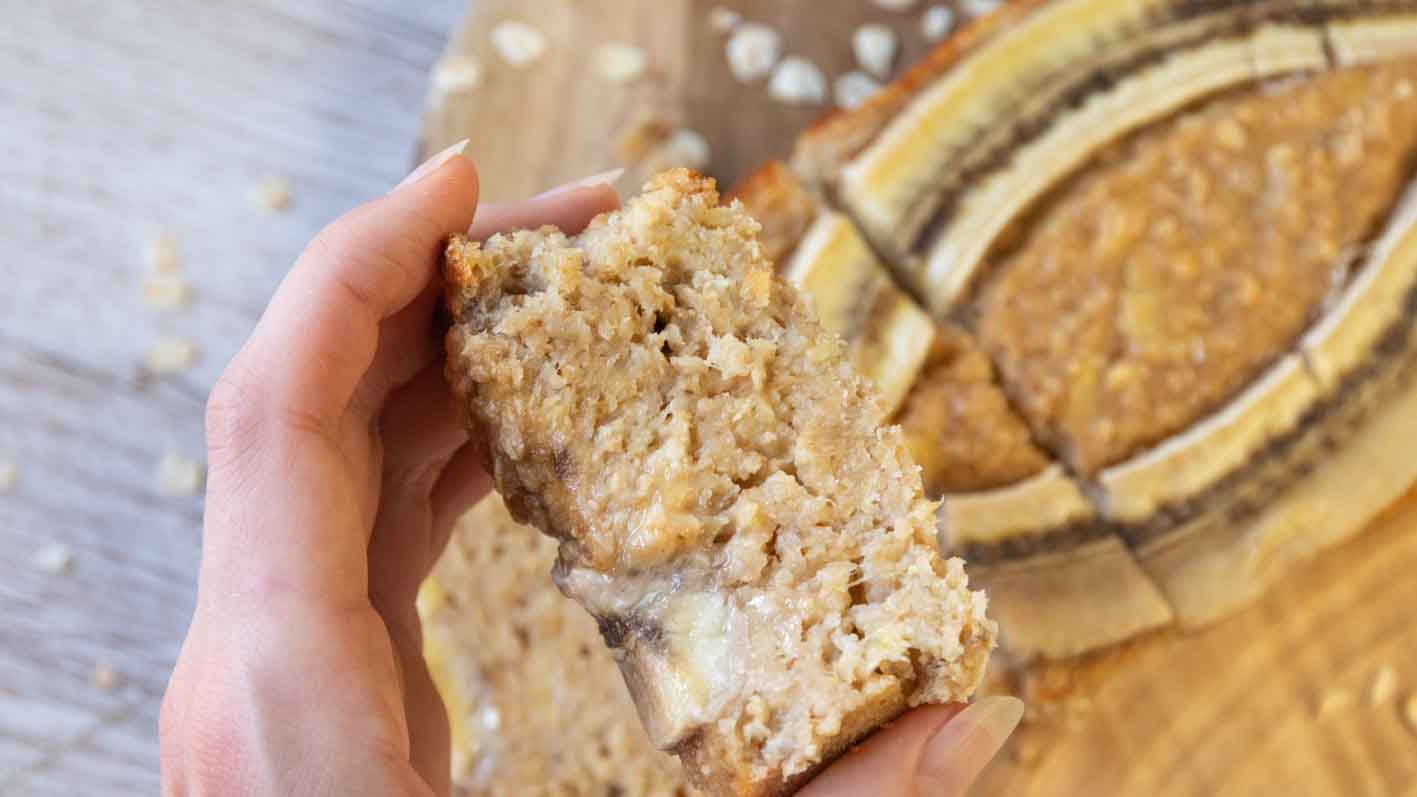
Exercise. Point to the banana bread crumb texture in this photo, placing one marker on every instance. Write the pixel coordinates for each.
(754, 544)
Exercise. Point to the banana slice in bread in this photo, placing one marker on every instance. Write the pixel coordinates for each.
(754, 543)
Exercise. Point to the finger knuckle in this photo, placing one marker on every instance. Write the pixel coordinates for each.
(235, 409)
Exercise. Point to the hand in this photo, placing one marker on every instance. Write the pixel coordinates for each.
(338, 466)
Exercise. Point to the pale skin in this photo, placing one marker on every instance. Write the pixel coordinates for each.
(337, 467)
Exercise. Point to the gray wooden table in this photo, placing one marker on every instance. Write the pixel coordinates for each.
(120, 119)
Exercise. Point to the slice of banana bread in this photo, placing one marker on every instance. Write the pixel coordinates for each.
(754, 544)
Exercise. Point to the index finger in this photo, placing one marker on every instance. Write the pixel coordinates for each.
(318, 337)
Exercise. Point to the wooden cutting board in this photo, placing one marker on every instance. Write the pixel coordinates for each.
(1275, 700)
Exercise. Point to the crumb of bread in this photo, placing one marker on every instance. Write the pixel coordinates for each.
(9, 475)
(655, 398)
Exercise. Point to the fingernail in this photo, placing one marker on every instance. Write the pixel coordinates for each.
(958, 752)
(431, 165)
(604, 178)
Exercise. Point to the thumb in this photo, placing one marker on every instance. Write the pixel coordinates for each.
(937, 751)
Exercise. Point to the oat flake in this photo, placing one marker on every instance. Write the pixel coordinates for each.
(179, 476)
(272, 193)
(171, 355)
(875, 47)
(104, 678)
(162, 253)
(798, 81)
(854, 88)
(54, 559)
(519, 44)
(457, 74)
(1384, 685)
(618, 62)
(936, 23)
(723, 20)
(165, 290)
(753, 50)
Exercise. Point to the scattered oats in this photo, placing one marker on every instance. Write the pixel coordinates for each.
(978, 8)
(457, 74)
(179, 476)
(1409, 711)
(1384, 685)
(619, 63)
(752, 51)
(875, 47)
(684, 148)
(1333, 701)
(854, 88)
(272, 193)
(797, 81)
(936, 23)
(723, 20)
(104, 678)
(519, 44)
(170, 355)
(1404, 88)
(162, 253)
(9, 474)
(164, 290)
(896, 5)
(53, 559)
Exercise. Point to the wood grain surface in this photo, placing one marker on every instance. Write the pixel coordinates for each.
(1235, 709)
(120, 119)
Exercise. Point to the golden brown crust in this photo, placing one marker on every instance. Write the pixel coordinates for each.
(782, 205)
